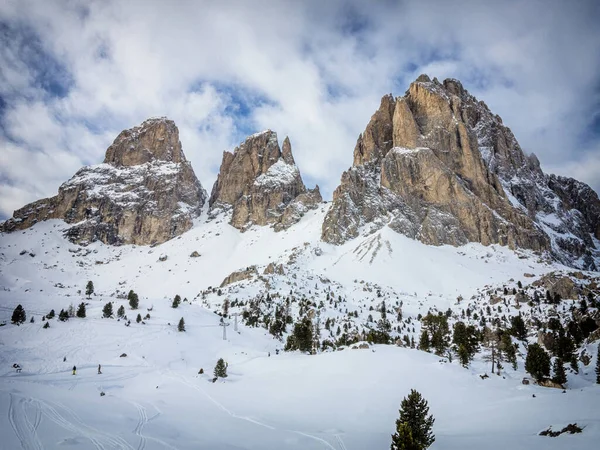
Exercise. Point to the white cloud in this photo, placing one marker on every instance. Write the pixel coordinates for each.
(314, 71)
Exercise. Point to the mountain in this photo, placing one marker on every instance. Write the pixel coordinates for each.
(325, 317)
(145, 192)
(438, 166)
(262, 185)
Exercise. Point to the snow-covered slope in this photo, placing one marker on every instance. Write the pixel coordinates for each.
(155, 398)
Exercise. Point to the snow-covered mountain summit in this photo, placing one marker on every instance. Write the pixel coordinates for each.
(144, 192)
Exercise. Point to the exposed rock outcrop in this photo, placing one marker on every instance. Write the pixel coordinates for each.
(240, 275)
(438, 166)
(559, 284)
(262, 184)
(145, 192)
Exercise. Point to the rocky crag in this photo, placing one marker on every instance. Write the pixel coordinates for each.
(261, 184)
(438, 166)
(145, 192)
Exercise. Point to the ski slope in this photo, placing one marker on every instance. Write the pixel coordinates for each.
(155, 398)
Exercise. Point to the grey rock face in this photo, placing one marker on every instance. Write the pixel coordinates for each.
(144, 193)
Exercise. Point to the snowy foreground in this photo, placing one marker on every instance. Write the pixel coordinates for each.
(155, 398)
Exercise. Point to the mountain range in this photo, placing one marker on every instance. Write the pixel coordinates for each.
(442, 224)
(435, 165)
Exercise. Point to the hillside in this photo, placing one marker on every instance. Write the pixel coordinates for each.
(349, 399)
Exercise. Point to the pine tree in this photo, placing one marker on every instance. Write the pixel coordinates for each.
(508, 349)
(18, 315)
(63, 315)
(107, 311)
(226, 305)
(302, 336)
(220, 369)
(598, 366)
(437, 326)
(138, 319)
(403, 439)
(466, 337)
(89, 289)
(181, 325)
(558, 368)
(81, 310)
(518, 328)
(51, 314)
(176, 301)
(133, 300)
(463, 355)
(424, 341)
(121, 312)
(537, 362)
(46, 325)
(414, 415)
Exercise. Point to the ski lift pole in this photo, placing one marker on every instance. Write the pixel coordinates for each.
(224, 325)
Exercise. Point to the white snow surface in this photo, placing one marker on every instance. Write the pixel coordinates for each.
(155, 398)
(407, 151)
(279, 174)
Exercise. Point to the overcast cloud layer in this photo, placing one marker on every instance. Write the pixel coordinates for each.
(73, 74)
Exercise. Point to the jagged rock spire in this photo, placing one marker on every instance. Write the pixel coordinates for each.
(262, 184)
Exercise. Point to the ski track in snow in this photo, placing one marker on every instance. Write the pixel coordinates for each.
(24, 429)
(340, 442)
(143, 420)
(247, 419)
(70, 421)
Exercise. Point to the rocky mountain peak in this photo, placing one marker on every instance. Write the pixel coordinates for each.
(438, 166)
(145, 192)
(156, 139)
(261, 184)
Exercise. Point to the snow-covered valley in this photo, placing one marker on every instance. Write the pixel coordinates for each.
(155, 397)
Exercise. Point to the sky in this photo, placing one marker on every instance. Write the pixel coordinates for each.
(73, 74)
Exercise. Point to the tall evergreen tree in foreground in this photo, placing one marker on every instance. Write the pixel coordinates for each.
(89, 289)
(18, 315)
(221, 369)
(413, 427)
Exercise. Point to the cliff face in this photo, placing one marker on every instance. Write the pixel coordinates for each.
(144, 192)
(438, 166)
(262, 184)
